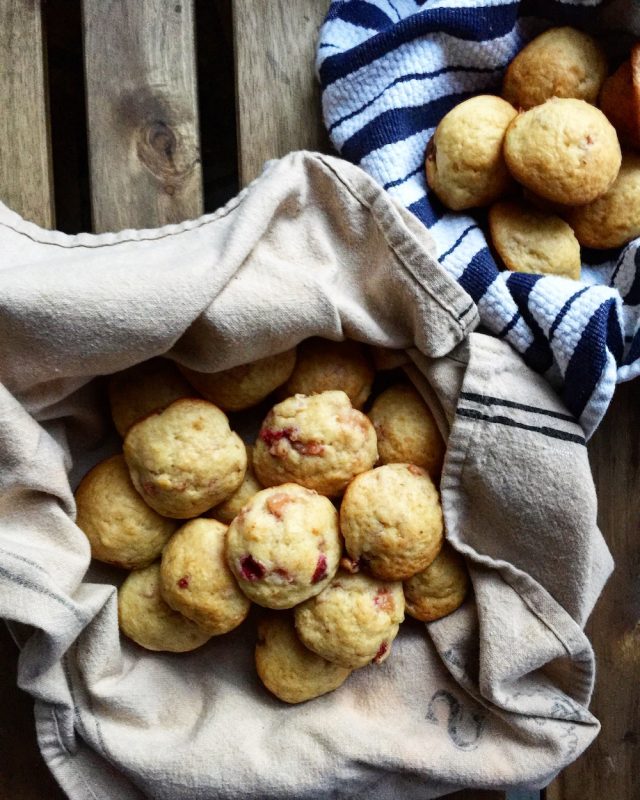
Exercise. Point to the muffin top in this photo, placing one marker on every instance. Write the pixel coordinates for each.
(565, 150)
(464, 161)
(561, 62)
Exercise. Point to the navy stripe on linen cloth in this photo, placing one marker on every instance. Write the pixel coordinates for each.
(390, 70)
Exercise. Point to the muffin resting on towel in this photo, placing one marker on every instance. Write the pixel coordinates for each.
(185, 459)
(288, 669)
(146, 618)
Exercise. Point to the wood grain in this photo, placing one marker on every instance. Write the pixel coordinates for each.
(142, 112)
(611, 766)
(26, 186)
(26, 183)
(277, 95)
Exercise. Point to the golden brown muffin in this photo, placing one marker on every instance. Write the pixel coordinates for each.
(439, 589)
(287, 668)
(406, 430)
(138, 391)
(323, 365)
(565, 150)
(185, 460)
(195, 578)
(529, 240)
(233, 505)
(561, 62)
(620, 103)
(284, 546)
(119, 525)
(613, 219)
(320, 442)
(353, 621)
(149, 621)
(245, 385)
(391, 520)
(464, 161)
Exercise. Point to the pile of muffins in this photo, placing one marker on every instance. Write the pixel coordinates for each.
(544, 158)
(331, 520)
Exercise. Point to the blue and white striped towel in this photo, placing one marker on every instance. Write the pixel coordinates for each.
(390, 70)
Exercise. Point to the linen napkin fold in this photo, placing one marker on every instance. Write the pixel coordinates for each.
(495, 695)
(390, 70)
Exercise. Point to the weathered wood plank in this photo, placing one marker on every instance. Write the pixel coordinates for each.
(611, 766)
(25, 161)
(26, 186)
(142, 112)
(277, 95)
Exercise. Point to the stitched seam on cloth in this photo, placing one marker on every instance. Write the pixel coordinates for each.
(454, 314)
(80, 773)
(71, 246)
(510, 573)
(504, 712)
(70, 668)
(71, 767)
(58, 732)
(182, 227)
(582, 663)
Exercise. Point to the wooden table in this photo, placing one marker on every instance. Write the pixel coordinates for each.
(148, 150)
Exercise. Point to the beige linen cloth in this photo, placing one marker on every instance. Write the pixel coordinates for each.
(494, 695)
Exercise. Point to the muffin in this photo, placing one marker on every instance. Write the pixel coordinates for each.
(146, 619)
(138, 391)
(119, 525)
(245, 385)
(185, 459)
(620, 102)
(320, 442)
(464, 161)
(439, 589)
(287, 668)
(354, 621)
(561, 62)
(391, 520)
(233, 505)
(406, 430)
(323, 365)
(565, 150)
(196, 581)
(284, 546)
(613, 219)
(530, 240)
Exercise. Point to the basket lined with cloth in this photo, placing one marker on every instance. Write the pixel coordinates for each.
(495, 695)
(390, 70)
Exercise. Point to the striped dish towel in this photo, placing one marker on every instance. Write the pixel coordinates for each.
(390, 70)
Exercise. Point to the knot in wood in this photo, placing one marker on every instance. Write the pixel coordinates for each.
(162, 139)
(163, 153)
